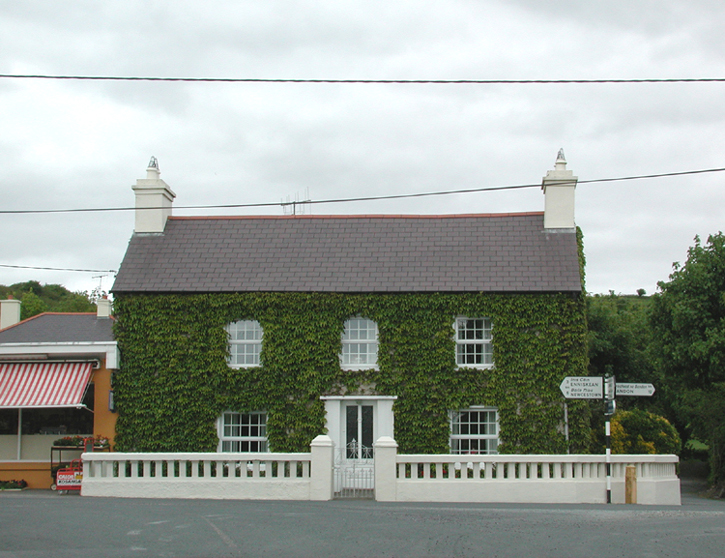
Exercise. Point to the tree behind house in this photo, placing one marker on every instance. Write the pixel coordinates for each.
(37, 298)
(688, 320)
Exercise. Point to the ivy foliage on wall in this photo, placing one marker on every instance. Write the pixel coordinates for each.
(174, 381)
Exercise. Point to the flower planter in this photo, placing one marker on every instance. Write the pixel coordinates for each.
(13, 485)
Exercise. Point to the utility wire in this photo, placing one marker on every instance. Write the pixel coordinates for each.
(366, 198)
(59, 269)
(363, 81)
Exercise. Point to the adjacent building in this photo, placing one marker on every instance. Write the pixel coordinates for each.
(55, 382)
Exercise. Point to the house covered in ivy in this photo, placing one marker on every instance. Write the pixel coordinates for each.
(450, 333)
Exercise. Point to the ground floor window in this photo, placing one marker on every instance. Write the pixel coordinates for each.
(474, 431)
(243, 432)
(55, 420)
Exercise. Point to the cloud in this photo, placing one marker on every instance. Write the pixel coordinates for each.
(83, 144)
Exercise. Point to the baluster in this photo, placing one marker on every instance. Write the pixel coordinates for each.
(510, 473)
(545, 471)
(567, 470)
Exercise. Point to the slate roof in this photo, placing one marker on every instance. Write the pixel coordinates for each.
(451, 253)
(59, 328)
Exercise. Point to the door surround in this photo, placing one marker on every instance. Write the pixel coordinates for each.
(335, 417)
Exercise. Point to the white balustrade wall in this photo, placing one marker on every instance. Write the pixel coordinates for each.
(574, 479)
(241, 476)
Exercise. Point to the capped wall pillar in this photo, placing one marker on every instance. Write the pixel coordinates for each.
(322, 451)
(386, 453)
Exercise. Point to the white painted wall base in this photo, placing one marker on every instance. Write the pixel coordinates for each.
(583, 491)
(214, 489)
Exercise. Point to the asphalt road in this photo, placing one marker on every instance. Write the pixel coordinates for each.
(45, 524)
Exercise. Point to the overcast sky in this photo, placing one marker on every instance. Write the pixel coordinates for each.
(83, 144)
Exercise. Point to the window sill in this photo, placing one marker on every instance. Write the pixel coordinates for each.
(359, 367)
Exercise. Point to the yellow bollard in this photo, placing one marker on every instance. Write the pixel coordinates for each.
(630, 485)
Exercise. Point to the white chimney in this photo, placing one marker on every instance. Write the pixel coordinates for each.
(153, 201)
(558, 186)
(9, 312)
(103, 308)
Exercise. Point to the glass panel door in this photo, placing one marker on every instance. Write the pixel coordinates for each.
(359, 431)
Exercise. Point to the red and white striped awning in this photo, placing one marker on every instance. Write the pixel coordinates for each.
(43, 384)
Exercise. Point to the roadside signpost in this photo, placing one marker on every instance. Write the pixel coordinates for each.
(592, 387)
(638, 390)
(606, 388)
(582, 387)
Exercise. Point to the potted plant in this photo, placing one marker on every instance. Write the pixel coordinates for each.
(99, 442)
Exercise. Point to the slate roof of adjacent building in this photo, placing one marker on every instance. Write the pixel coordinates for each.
(59, 328)
(403, 253)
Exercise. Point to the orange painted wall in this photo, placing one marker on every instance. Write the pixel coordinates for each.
(35, 473)
(104, 421)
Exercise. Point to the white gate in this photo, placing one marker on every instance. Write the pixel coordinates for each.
(354, 471)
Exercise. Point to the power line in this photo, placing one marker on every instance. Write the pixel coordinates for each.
(362, 81)
(59, 269)
(358, 199)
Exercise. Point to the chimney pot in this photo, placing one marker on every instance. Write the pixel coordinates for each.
(152, 171)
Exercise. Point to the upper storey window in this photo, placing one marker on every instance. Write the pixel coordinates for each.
(359, 344)
(473, 342)
(245, 343)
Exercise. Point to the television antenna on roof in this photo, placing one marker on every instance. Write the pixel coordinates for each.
(98, 292)
(297, 206)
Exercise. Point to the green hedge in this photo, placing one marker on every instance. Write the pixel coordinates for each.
(174, 381)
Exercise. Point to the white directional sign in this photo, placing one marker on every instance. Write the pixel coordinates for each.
(641, 390)
(582, 387)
